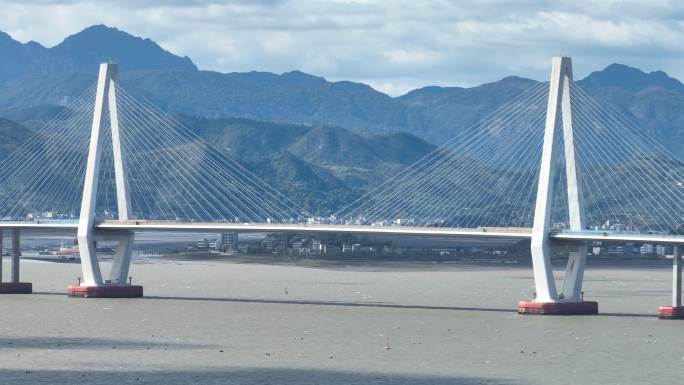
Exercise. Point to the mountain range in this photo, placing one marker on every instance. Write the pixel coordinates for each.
(333, 139)
(83, 52)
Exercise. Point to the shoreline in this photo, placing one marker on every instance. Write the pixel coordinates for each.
(476, 263)
(464, 264)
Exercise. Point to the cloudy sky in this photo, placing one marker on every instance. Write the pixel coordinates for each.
(394, 46)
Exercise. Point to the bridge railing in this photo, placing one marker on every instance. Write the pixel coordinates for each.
(42, 221)
(309, 225)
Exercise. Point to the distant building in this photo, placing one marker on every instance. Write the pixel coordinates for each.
(203, 244)
(647, 249)
(351, 248)
(616, 250)
(229, 242)
(279, 241)
(332, 249)
(661, 251)
(303, 246)
(215, 245)
(297, 246)
(274, 243)
(318, 247)
(629, 248)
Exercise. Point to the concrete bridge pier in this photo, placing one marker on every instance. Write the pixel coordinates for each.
(676, 311)
(119, 284)
(14, 286)
(548, 300)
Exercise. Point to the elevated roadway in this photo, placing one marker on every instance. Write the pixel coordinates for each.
(512, 233)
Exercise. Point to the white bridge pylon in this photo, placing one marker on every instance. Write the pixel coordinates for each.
(559, 110)
(92, 275)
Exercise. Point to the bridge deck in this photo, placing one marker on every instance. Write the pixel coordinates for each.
(484, 232)
(171, 226)
(512, 233)
(659, 239)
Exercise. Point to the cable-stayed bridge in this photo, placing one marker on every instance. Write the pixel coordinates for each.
(552, 165)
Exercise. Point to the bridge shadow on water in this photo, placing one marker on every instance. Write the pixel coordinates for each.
(333, 303)
(375, 305)
(241, 376)
(307, 302)
(87, 343)
(358, 304)
(628, 315)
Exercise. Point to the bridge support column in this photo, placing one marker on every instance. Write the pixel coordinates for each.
(121, 261)
(14, 286)
(92, 284)
(119, 284)
(676, 311)
(547, 299)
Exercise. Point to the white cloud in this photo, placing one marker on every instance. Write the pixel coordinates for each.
(393, 45)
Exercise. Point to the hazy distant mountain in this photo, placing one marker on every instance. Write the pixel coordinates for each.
(83, 52)
(622, 77)
(40, 76)
(653, 100)
(445, 111)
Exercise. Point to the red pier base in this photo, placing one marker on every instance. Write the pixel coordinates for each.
(16, 288)
(671, 312)
(113, 291)
(558, 308)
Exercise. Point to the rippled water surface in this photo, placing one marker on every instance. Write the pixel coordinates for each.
(224, 323)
